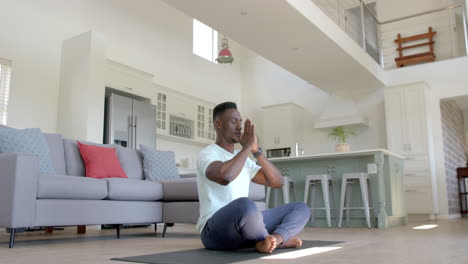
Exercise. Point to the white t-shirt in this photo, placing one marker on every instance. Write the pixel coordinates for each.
(214, 196)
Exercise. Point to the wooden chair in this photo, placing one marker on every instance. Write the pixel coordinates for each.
(419, 57)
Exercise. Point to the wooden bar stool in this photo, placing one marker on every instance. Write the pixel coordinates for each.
(327, 190)
(288, 186)
(347, 182)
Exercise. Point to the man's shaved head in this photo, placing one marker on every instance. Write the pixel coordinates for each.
(221, 108)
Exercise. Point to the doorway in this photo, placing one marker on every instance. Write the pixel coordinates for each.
(454, 117)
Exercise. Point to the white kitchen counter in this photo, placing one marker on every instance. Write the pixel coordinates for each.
(385, 171)
(356, 153)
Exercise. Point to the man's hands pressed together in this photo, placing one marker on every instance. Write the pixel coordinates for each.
(249, 137)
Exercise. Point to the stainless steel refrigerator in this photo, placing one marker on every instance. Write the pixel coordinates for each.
(129, 122)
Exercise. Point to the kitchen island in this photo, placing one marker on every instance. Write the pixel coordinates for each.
(385, 176)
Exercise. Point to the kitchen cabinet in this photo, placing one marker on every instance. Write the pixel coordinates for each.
(129, 80)
(205, 127)
(184, 118)
(283, 126)
(408, 134)
(407, 127)
(161, 112)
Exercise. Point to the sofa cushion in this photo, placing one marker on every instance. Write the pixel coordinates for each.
(101, 162)
(57, 154)
(133, 190)
(158, 165)
(30, 141)
(132, 162)
(71, 187)
(180, 189)
(73, 160)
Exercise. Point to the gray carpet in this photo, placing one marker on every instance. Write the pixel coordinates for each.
(214, 256)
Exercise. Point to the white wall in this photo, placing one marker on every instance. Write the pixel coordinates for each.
(32, 34)
(392, 9)
(265, 83)
(154, 37)
(150, 36)
(82, 87)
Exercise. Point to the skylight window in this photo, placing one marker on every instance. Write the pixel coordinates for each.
(205, 41)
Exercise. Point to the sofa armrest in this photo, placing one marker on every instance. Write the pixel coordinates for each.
(18, 189)
(180, 189)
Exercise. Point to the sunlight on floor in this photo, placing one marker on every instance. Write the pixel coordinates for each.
(425, 227)
(301, 253)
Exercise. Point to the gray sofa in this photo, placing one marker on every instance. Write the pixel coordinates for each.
(28, 199)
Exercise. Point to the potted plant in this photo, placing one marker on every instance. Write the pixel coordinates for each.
(341, 134)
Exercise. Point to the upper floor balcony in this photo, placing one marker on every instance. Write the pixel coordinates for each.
(335, 45)
(374, 26)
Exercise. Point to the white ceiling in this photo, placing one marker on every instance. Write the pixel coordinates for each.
(277, 31)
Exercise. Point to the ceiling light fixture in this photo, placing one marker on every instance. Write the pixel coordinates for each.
(225, 55)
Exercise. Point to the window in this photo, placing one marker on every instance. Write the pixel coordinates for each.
(201, 121)
(205, 41)
(211, 130)
(161, 111)
(5, 72)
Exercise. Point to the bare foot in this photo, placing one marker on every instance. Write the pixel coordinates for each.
(267, 245)
(294, 242)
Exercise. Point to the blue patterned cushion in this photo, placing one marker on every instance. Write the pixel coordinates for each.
(30, 141)
(158, 165)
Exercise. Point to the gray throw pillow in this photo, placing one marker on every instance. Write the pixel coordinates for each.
(158, 165)
(30, 141)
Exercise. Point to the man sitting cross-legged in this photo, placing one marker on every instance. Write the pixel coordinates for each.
(228, 219)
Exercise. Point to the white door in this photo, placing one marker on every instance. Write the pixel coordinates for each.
(416, 121)
(144, 123)
(120, 121)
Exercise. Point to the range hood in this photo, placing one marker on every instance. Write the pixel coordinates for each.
(340, 111)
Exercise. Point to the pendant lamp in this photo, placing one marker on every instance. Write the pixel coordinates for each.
(225, 55)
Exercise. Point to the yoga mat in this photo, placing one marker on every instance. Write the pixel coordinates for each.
(206, 256)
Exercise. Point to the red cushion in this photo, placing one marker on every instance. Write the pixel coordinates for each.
(101, 162)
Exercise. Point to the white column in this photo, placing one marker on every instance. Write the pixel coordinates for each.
(82, 87)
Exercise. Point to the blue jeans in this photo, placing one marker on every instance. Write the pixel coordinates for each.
(240, 224)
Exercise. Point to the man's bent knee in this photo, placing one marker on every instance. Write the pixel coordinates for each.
(243, 202)
(302, 207)
(245, 206)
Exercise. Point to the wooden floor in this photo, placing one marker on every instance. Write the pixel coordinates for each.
(446, 243)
